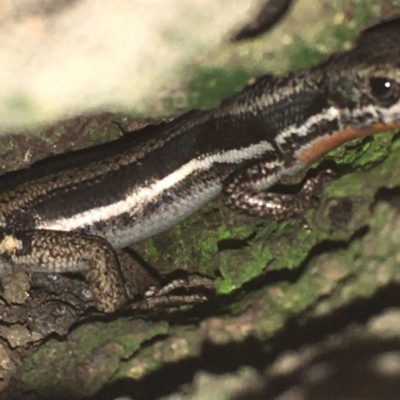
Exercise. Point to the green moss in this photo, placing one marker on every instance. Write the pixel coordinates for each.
(85, 346)
(150, 250)
(292, 253)
(364, 152)
(207, 241)
(332, 38)
(210, 85)
(302, 55)
(239, 266)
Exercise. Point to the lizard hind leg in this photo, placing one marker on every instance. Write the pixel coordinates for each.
(51, 251)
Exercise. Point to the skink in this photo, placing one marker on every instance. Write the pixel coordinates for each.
(70, 213)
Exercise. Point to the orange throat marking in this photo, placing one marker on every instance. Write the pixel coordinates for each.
(326, 144)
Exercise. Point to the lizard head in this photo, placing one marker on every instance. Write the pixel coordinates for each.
(365, 81)
(362, 89)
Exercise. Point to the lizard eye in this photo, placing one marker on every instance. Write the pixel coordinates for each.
(385, 90)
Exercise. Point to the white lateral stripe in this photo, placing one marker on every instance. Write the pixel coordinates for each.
(142, 196)
(328, 114)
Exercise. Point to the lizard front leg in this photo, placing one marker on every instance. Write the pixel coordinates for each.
(248, 190)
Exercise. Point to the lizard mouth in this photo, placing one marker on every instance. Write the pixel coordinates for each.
(320, 146)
